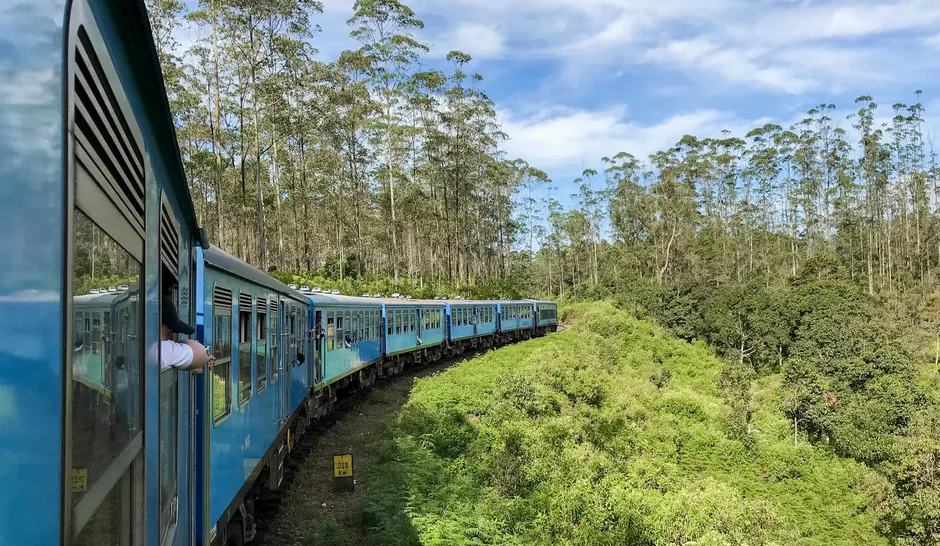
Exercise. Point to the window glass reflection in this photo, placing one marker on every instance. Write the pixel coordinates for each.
(106, 356)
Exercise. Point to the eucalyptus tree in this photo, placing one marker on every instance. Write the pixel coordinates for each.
(385, 28)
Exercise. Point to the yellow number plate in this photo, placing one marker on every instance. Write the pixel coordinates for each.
(79, 479)
(342, 466)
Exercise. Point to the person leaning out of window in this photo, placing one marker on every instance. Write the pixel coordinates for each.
(187, 355)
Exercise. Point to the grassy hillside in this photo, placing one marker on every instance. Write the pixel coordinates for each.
(612, 432)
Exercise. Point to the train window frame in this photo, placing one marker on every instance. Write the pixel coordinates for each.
(330, 330)
(274, 333)
(88, 191)
(261, 334)
(220, 310)
(245, 337)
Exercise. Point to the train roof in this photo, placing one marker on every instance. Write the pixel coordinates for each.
(398, 302)
(470, 303)
(95, 299)
(219, 259)
(321, 298)
(515, 302)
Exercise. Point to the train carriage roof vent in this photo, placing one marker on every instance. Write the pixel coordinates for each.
(112, 289)
(365, 295)
(335, 292)
(408, 298)
(94, 291)
(122, 288)
(221, 297)
(244, 302)
(316, 290)
(292, 286)
(106, 141)
(305, 288)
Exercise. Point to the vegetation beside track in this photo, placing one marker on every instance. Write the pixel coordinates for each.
(612, 432)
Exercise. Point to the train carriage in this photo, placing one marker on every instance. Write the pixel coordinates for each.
(546, 316)
(349, 336)
(470, 323)
(93, 188)
(516, 319)
(259, 331)
(414, 329)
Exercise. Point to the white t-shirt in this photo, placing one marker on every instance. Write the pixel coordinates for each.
(173, 354)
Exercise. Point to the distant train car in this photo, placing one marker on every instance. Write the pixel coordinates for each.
(516, 319)
(470, 324)
(349, 333)
(414, 329)
(546, 316)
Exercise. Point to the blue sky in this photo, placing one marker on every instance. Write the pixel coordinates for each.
(575, 80)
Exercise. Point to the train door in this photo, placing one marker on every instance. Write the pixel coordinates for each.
(284, 365)
(176, 388)
(319, 342)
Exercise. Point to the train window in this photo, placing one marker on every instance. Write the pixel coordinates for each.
(340, 343)
(274, 330)
(355, 327)
(330, 331)
(397, 315)
(245, 359)
(222, 349)
(261, 348)
(106, 371)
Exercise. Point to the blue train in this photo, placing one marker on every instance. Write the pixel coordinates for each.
(97, 445)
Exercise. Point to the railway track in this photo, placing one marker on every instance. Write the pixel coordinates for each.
(268, 507)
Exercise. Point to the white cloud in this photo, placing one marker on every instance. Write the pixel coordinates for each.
(478, 40)
(769, 45)
(559, 139)
(933, 41)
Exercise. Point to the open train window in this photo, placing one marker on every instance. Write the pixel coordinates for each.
(261, 348)
(245, 359)
(389, 320)
(222, 349)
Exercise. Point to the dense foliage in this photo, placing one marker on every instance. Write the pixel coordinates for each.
(613, 432)
(380, 162)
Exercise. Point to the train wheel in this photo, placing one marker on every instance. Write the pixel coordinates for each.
(234, 534)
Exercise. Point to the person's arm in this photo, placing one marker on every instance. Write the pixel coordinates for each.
(201, 355)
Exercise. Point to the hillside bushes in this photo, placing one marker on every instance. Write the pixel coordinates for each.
(613, 432)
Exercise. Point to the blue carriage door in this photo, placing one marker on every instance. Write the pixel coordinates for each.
(284, 334)
(176, 388)
(103, 430)
(319, 346)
